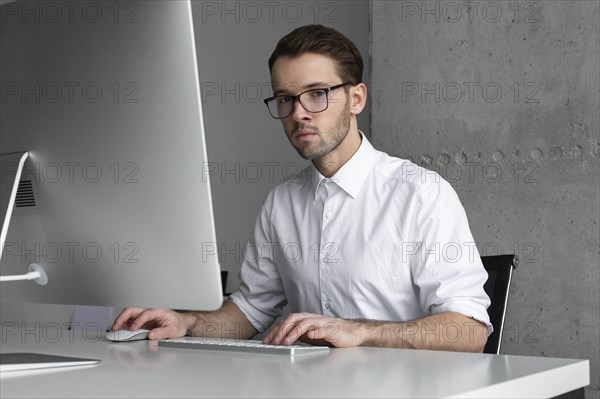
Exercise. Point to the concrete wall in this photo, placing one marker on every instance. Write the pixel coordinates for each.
(502, 99)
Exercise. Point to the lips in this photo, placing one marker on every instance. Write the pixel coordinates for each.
(304, 134)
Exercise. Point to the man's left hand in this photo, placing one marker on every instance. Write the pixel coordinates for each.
(314, 329)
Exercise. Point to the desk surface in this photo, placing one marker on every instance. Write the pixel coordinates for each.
(141, 369)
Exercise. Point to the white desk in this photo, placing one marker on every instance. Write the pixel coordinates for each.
(140, 369)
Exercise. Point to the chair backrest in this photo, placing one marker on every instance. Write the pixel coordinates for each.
(499, 269)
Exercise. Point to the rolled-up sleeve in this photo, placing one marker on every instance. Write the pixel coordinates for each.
(261, 296)
(448, 270)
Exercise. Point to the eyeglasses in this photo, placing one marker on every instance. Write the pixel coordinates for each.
(313, 100)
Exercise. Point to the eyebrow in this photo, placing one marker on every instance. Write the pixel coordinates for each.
(314, 85)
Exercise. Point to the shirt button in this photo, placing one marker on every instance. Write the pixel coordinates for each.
(329, 215)
(327, 306)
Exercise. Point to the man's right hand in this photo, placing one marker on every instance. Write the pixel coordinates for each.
(162, 323)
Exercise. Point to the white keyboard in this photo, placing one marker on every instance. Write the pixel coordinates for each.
(241, 346)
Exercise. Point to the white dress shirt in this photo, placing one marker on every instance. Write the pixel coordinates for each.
(382, 239)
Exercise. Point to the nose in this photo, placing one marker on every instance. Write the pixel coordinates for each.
(299, 113)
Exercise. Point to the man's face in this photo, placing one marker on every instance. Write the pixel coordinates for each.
(313, 135)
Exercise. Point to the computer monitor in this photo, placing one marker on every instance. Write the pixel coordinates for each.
(105, 98)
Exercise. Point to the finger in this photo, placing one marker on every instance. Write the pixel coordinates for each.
(149, 318)
(268, 338)
(316, 330)
(301, 328)
(124, 319)
(279, 330)
(294, 328)
(272, 332)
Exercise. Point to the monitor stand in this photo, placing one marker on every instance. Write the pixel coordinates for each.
(9, 163)
(10, 362)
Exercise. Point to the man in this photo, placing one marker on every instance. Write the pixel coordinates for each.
(373, 250)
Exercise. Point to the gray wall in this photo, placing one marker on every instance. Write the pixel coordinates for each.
(502, 100)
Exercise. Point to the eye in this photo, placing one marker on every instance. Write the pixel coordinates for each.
(283, 99)
(317, 94)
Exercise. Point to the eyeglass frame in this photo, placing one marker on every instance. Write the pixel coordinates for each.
(295, 98)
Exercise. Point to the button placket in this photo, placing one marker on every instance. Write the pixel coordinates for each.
(323, 265)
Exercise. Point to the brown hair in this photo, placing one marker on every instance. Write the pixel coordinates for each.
(326, 41)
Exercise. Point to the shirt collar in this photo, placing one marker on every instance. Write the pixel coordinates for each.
(351, 176)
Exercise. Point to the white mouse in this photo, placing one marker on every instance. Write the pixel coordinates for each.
(127, 336)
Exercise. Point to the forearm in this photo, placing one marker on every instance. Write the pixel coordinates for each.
(226, 322)
(444, 331)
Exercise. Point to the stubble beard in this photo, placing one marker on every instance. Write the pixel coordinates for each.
(328, 141)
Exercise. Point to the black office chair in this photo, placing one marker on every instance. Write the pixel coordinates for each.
(499, 268)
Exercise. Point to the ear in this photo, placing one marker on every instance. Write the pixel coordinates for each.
(358, 98)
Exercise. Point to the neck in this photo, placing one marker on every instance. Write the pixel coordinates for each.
(329, 164)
